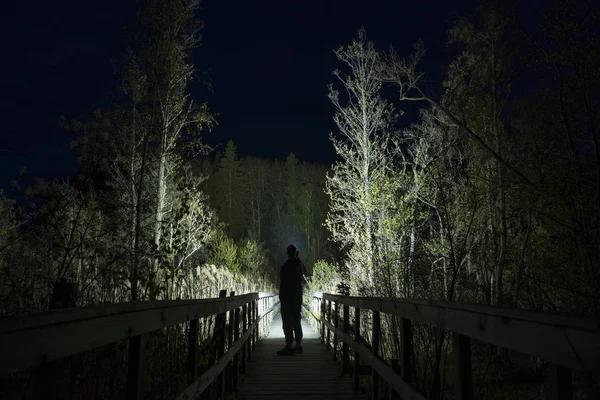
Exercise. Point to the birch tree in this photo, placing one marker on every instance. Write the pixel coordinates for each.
(364, 120)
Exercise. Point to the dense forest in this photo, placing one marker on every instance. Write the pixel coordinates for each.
(492, 196)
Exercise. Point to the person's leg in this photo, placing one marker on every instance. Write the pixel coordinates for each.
(298, 334)
(287, 316)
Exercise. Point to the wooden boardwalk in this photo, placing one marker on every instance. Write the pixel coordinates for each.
(312, 375)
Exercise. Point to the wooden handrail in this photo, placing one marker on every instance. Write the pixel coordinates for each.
(567, 342)
(32, 340)
(570, 341)
(198, 386)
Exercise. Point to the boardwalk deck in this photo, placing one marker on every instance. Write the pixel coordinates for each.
(312, 375)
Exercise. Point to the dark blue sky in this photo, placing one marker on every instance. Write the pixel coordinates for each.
(269, 61)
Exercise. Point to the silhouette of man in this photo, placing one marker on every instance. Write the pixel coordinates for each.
(290, 297)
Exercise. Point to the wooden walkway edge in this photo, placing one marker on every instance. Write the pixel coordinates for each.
(312, 375)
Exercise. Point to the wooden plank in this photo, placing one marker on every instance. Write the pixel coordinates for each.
(308, 376)
(11, 324)
(563, 340)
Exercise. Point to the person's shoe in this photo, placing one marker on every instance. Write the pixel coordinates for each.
(298, 349)
(286, 351)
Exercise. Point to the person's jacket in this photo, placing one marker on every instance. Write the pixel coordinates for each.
(290, 287)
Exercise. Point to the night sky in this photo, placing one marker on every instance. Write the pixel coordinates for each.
(269, 62)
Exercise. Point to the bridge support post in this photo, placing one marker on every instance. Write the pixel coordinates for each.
(376, 338)
(336, 323)
(322, 316)
(345, 346)
(217, 347)
(328, 319)
(229, 369)
(244, 329)
(461, 354)
(254, 333)
(396, 368)
(560, 383)
(236, 358)
(135, 367)
(407, 350)
(356, 354)
(192, 364)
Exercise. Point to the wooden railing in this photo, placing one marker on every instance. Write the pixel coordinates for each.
(37, 341)
(567, 343)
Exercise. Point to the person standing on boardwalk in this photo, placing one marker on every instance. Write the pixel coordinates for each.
(290, 297)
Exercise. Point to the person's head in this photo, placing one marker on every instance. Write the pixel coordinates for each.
(291, 251)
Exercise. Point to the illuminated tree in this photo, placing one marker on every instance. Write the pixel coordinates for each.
(365, 122)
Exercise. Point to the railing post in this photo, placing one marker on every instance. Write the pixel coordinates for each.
(396, 368)
(135, 368)
(228, 370)
(254, 332)
(345, 346)
(407, 350)
(236, 358)
(218, 345)
(560, 382)
(461, 354)
(356, 354)
(376, 334)
(193, 350)
(322, 316)
(244, 329)
(336, 323)
(328, 319)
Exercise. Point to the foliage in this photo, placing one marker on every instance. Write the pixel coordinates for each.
(359, 183)
(253, 258)
(325, 277)
(224, 253)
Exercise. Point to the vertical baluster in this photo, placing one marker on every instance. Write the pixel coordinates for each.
(396, 367)
(192, 364)
(356, 355)
(345, 346)
(322, 317)
(222, 336)
(328, 319)
(218, 332)
(236, 358)
(135, 369)
(560, 382)
(229, 369)
(244, 329)
(254, 332)
(461, 354)
(376, 336)
(407, 350)
(337, 325)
